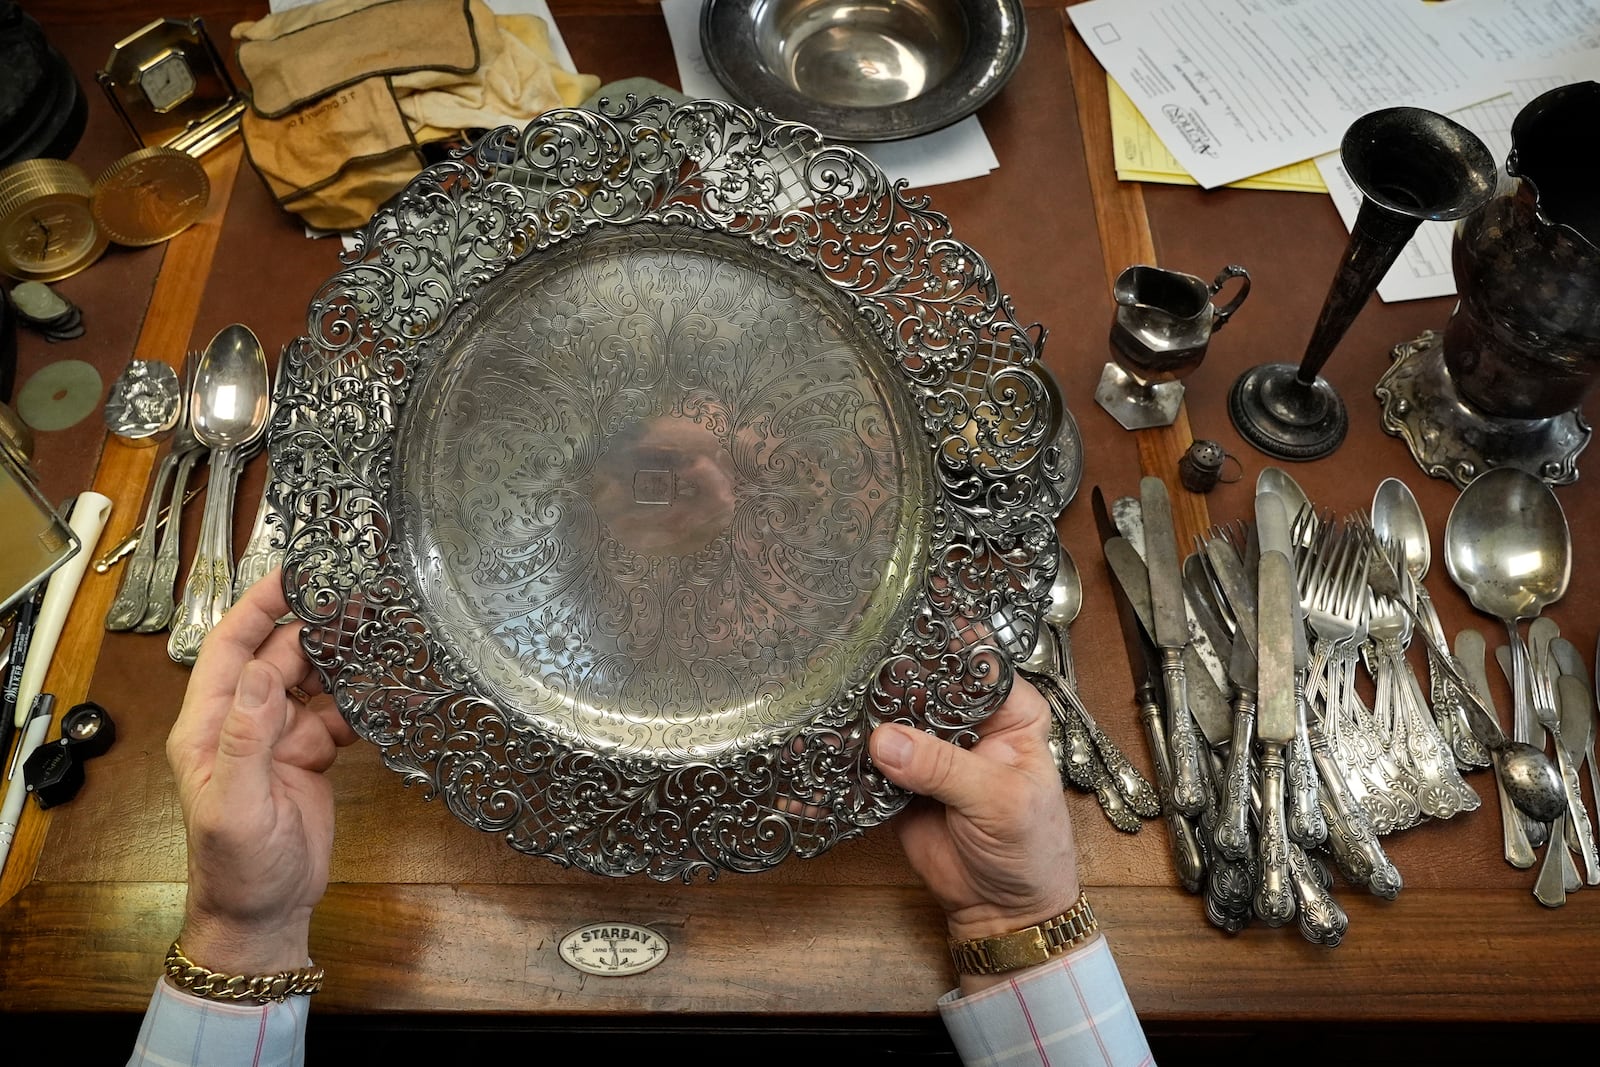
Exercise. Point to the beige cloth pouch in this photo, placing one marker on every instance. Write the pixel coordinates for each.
(297, 56)
(352, 143)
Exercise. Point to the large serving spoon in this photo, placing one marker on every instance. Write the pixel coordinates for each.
(229, 409)
(1508, 547)
(1397, 520)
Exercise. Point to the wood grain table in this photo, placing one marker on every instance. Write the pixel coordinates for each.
(438, 938)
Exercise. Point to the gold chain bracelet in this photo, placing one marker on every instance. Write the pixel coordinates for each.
(201, 982)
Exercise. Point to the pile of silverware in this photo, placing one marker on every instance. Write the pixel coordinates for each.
(1269, 760)
(225, 404)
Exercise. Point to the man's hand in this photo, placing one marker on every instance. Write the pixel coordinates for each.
(989, 833)
(249, 762)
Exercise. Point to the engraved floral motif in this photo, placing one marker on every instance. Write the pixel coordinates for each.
(638, 463)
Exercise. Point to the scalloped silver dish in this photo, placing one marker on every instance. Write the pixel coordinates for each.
(641, 462)
(864, 70)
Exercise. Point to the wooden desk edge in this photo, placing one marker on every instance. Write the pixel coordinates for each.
(491, 949)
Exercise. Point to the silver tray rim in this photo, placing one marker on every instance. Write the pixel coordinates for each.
(1000, 437)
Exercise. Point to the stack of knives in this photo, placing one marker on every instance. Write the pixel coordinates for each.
(1252, 799)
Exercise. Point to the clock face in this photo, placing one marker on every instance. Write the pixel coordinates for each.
(167, 82)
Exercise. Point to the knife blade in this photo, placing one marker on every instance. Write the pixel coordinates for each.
(1171, 619)
(1275, 728)
(1129, 520)
(1207, 702)
(1307, 824)
(1188, 858)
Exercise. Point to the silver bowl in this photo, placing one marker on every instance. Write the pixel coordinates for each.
(864, 70)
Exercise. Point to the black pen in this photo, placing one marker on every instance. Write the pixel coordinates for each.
(21, 638)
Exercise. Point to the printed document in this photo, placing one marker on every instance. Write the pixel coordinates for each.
(1237, 87)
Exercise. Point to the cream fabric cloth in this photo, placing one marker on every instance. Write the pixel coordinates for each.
(345, 148)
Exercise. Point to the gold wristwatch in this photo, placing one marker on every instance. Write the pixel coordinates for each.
(1026, 947)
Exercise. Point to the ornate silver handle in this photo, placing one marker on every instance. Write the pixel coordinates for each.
(193, 620)
(1322, 920)
(132, 595)
(1233, 818)
(1229, 884)
(222, 560)
(1188, 787)
(1307, 826)
(162, 603)
(1140, 794)
(1082, 766)
(1274, 900)
(1351, 838)
(1188, 858)
(259, 554)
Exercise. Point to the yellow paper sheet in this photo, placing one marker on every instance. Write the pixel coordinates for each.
(1141, 157)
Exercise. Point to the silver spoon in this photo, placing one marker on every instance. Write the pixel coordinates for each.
(1397, 519)
(1295, 501)
(1507, 545)
(229, 408)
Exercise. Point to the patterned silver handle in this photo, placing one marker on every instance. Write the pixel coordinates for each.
(1351, 838)
(133, 594)
(1274, 900)
(162, 602)
(259, 555)
(1233, 819)
(193, 620)
(1188, 785)
(1307, 826)
(1188, 855)
(1322, 920)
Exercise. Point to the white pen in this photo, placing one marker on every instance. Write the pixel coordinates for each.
(17, 789)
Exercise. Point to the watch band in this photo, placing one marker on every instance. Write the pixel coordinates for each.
(201, 982)
(1026, 947)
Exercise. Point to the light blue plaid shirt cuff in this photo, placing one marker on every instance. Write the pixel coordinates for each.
(180, 1030)
(1073, 1010)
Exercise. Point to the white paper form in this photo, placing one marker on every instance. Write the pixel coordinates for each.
(952, 154)
(1237, 87)
(1568, 31)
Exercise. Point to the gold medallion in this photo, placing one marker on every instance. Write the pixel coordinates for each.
(47, 226)
(150, 195)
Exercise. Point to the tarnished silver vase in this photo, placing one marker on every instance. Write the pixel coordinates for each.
(1503, 385)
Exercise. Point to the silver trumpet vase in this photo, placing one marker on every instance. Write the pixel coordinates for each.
(1411, 165)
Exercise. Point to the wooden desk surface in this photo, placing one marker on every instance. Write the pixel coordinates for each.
(428, 917)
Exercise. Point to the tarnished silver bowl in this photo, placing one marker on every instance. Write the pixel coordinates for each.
(864, 70)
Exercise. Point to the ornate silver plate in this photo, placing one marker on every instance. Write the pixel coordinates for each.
(641, 462)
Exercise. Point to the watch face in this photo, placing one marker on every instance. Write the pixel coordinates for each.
(167, 82)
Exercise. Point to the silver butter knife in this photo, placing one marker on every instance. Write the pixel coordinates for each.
(1171, 620)
(1275, 728)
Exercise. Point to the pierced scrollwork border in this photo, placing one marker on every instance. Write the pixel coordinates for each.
(1001, 447)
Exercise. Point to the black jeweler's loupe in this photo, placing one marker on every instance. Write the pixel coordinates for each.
(54, 773)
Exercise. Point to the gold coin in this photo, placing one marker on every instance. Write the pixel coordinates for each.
(150, 196)
(47, 229)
